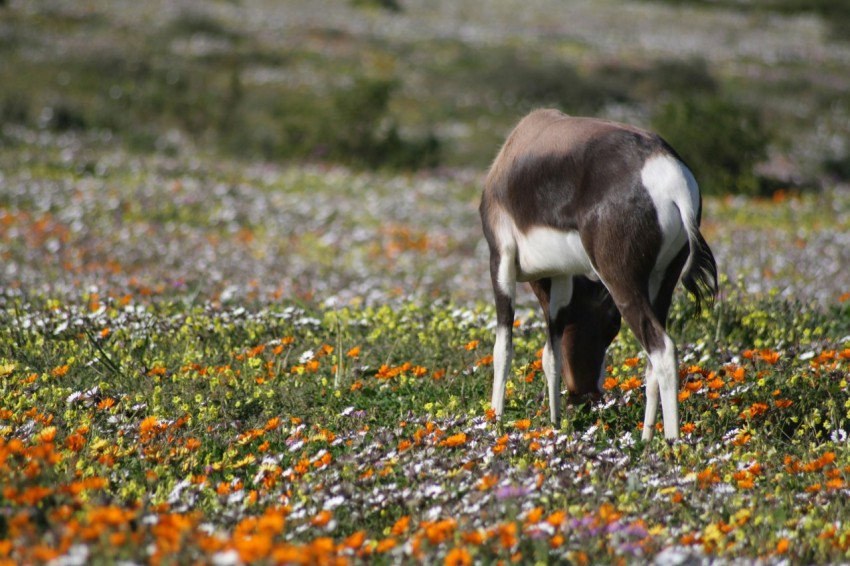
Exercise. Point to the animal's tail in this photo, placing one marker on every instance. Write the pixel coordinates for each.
(700, 276)
(700, 273)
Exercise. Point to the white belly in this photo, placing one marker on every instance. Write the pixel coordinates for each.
(546, 252)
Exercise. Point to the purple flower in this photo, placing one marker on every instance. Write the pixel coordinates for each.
(511, 492)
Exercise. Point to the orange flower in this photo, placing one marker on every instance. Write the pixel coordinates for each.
(522, 424)
(557, 518)
(471, 345)
(475, 538)
(439, 531)
(149, 425)
(743, 438)
(322, 518)
(688, 428)
(631, 362)
(60, 371)
(487, 482)
(507, 535)
(354, 352)
(454, 440)
(75, 442)
(385, 545)
(355, 540)
(631, 383)
(738, 374)
(400, 527)
(753, 411)
(609, 383)
(556, 541)
(782, 546)
(458, 557)
(769, 356)
(48, 434)
(534, 516)
(707, 477)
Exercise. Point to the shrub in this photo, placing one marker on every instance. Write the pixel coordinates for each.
(355, 127)
(721, 141)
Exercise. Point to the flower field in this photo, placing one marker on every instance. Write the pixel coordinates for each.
(214, 362)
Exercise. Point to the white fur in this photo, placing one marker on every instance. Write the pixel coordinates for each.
(662, 378)
(541, 252)
(546, 252)
(561, 293)
(502, 356)
(675, 195)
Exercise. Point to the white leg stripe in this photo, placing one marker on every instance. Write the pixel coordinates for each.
(665, 375)
(502, 354)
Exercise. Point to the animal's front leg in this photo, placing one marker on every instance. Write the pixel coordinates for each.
(503, 274)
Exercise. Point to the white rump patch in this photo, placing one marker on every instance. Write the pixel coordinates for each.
(675, 195)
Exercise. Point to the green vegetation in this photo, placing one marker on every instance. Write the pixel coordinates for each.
(402, 100)
(835, 14)
(730, 142)
(205, 362)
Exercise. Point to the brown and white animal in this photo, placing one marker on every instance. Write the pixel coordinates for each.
(601, 219)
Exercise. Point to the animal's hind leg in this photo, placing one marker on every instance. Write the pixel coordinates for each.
(631, 295)
(661, 374)
(664, 365)
(625, 263)
(554, 295)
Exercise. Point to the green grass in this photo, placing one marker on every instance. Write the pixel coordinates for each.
(217, 415)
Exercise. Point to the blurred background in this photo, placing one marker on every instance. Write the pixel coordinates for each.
(753, 94)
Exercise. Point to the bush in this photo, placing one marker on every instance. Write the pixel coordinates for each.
(720, 141)
(354, 127)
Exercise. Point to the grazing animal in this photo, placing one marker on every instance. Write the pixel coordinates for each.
(601, 219)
